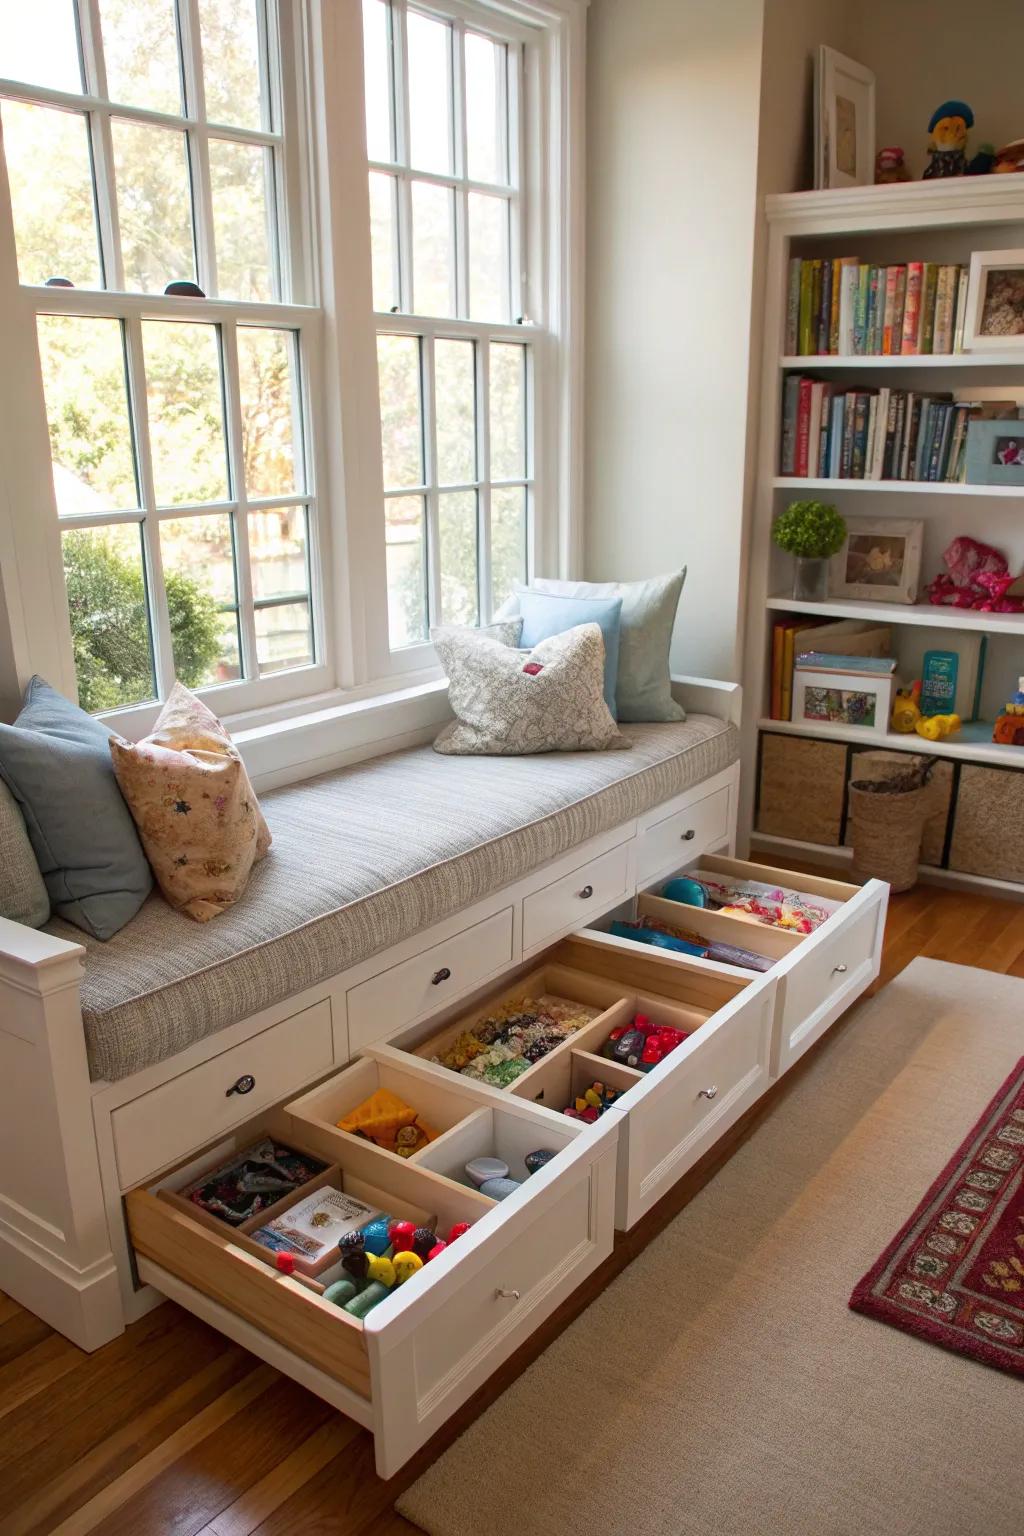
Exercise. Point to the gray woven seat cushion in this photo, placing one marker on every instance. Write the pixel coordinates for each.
(361, 859)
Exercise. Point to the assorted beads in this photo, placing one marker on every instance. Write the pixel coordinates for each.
(502, 1046)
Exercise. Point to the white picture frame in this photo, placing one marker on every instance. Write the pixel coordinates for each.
(839, 687)
(880, 560)
(844, 121)
(982, 322)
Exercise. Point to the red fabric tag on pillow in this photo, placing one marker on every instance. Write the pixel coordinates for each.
(533, 667)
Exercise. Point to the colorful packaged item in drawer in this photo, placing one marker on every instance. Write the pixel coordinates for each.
(315, 1225)
(372, 1270)
(753, 901)
(681, 941)
(642, 1044)
(389, 1123)
(253, 1180)
(591, 1104)
(502, 1046)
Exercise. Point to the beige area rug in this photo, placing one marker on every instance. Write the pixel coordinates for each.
(721, 1386)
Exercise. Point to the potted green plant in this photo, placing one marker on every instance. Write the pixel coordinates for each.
(812, 532)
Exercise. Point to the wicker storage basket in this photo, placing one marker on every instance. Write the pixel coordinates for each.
(885, 830)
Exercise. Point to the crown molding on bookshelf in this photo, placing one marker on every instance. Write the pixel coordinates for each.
(972, 743)
(898, 487)
(907, 205)
(814, 362)
(932, 615)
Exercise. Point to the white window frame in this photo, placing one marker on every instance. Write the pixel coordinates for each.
(326, 256)
(132, 310)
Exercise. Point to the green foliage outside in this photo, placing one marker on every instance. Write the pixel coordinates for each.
(811, 530)
(110, 625)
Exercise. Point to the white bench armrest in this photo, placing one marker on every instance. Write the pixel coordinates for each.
(708, 696)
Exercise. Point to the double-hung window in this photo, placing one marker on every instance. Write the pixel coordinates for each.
(151, 194)
(455, 345)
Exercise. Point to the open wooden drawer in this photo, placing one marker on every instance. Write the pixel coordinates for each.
(819, 974)
(671, 1114)
(417, 1356)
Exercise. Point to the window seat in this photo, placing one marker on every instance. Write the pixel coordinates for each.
(362, 858)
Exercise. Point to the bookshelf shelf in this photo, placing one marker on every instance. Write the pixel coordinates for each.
(897, 487)
(972, 744)
(928, 614)
(814, 362)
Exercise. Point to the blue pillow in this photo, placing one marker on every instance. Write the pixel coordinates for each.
(545, 614)
(55, 760)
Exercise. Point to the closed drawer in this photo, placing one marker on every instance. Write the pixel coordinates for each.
(683, 836)
(430, 1344)
(821, 977)
(567, 903)
(162, 1125)
(405, 992)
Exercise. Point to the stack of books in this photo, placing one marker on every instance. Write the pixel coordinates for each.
(843, 308)
(793, 637)
(862, 432)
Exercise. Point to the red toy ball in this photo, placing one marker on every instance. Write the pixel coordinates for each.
(458, 1228)
(438, 1248)
(285, 1263)
(401, 1234)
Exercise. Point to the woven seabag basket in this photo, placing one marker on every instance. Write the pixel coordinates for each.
(886, 830)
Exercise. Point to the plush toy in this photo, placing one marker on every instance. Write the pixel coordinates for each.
(906, 709)
(948, 146)
(982, 161)
(966, 561)
(890, 167)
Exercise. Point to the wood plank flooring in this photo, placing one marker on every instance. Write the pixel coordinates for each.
(173, 1431)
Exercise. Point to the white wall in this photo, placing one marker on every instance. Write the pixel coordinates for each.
(673, 91)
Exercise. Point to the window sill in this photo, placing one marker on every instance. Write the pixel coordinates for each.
(284, 751)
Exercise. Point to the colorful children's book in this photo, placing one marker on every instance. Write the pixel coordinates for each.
(313, 1227)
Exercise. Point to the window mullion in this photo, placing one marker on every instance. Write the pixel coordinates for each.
(400, 106)
(236, 460)
(483, 471)
(433, 519)
(160, 623)
(102, 144)
(198, 145)
(511, 118)
(457, 110)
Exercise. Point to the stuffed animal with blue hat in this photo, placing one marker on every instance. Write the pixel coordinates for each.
(947, 151)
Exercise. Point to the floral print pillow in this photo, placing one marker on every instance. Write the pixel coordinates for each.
(199, 821)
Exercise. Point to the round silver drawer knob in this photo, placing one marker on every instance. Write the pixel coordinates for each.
(708, 1093)
(688, 837)
(444, 974)
(245, 1084)
(586, 893)
(839, 970)
(501, 1294)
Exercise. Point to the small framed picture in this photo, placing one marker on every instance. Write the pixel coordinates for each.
(995, 453)
(880, 560)
(844, 121)
(995, 301)
(827, 698)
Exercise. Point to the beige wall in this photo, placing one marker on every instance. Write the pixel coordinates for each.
(673, 95)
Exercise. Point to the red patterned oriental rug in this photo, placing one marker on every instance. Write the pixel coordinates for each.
(954, 1274)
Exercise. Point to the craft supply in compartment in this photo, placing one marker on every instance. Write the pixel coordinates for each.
(751, 895)
(245, 1186)
(496, 1045)
(508, 1137)
(726, 940)
(334, 1105)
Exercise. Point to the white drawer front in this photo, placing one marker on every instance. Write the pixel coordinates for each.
(683, 836)
(567, 903)
(682, 1109)
(168, 1122)
(824, 975)
(430, 980)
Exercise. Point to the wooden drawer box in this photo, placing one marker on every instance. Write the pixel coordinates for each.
(159, 1127)
(426, 982)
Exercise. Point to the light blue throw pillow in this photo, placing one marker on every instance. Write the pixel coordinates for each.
(55, 760)
(545, 614)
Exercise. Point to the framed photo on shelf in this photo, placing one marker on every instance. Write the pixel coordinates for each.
(995, 301)
(995, 453)
(844, 121)
(880, 560)
(823, 699)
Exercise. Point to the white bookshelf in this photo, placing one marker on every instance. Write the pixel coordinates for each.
(940, 221)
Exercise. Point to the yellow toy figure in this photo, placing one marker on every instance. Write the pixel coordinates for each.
(906, 709)
(937, 727)
(948, 148)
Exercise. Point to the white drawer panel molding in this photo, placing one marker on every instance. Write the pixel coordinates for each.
(683, 836)
(566, 904)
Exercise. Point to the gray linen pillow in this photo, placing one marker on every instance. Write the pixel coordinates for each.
(23, 896)
(55, 760)
(511, 703)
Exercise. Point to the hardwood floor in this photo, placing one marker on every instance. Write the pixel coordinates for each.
(174, 1431)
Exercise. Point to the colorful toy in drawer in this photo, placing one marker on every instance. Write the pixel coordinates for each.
(458, 1229)
(406, 1264)
(401, 1234)
(663, 936)
(535, 1161)
(389, 1123)
(592, 1103)
(252, 1180)
(642, 1044)
(755, 903)
(499, 1048)
(312, 1229)
(480, 1169)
